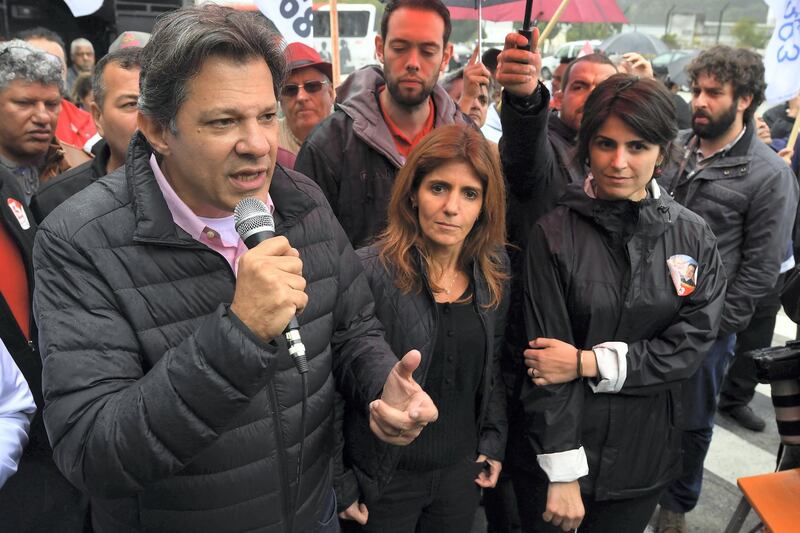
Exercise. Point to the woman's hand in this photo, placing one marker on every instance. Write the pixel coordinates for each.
(357, 511)
(551, 361)
(488, 479)
(564, 505)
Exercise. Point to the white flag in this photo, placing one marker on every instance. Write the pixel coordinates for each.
(293, 18)
(782, 58)
(81, 8)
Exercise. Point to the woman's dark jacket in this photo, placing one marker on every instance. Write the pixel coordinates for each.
(410, 322)
(160, 403)
(596, 271)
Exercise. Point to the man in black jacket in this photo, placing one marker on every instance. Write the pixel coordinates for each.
(380, 115)
(116, 89)
(172, 399)
(37, 497)
(748, 196)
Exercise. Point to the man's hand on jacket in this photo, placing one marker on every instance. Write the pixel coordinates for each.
(357, 511)
(404, 408)
(487, 478)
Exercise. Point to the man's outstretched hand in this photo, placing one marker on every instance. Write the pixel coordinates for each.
(404, 408)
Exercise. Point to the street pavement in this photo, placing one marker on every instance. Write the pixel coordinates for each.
(735, 452)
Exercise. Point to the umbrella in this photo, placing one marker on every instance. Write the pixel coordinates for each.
(677, 69)
(513, 10)
(633, 41)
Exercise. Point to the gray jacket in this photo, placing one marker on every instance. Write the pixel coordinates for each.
(748, 196)
(352, 155)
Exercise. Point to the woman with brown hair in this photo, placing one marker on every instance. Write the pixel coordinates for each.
(438, 274)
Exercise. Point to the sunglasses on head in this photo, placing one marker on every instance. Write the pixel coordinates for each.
(291, 90)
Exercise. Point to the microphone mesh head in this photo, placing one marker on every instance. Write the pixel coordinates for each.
(252, 215)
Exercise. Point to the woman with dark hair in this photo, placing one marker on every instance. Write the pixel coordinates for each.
(438, 274)
(81, 94)
(613, 334)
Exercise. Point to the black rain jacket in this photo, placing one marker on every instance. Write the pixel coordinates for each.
(596, 271)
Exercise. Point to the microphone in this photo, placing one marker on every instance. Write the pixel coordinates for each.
(255, 224)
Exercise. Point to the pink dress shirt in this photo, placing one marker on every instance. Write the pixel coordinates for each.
(219, 234)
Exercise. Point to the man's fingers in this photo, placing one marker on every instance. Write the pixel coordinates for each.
(547, 516)
(408, 364)
(474, 57)
(362, 514)
(535, 39)
(514, 40)
(423, 411)
(390, 420)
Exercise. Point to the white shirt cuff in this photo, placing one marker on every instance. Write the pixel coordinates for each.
(16, 411)
(612, 367)
(87, 146)
(563, 467)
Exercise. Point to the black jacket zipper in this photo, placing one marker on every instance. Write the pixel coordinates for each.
(286, 511)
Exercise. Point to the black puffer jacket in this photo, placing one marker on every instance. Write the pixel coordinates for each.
(160, 403)
(411, 323)
(352, 155)
(597, 271)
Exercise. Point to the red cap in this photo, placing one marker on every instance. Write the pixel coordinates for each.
(298, 55)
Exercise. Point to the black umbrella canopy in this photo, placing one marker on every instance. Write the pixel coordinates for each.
(633, 41)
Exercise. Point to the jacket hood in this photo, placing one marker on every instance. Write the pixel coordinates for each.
(357, 97)
(651, 216)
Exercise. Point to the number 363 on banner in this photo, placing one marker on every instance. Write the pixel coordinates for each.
(293, 18)
(782, 58)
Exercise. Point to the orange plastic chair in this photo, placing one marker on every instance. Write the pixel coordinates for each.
(775, 497)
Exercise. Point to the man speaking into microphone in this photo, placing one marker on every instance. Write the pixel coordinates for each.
(171, 397)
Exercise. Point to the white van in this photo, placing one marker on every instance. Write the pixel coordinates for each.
(356, 34)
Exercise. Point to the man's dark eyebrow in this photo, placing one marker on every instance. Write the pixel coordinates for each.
(400, 40)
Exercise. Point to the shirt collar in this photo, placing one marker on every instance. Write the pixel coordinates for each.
(702, 158)
(186, 219)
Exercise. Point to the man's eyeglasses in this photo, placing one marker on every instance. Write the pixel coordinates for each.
(291, 90)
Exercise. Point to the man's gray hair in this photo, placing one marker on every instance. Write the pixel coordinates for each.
(21, 61)
(80, 41)
(184, 39)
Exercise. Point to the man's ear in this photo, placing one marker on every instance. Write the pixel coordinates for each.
(744, 102)
(448, 53)
(97, 117)
(379, 48)
(155, 133)
(558, 97)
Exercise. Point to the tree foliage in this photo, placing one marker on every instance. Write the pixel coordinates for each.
(579, 32)
(748, 34)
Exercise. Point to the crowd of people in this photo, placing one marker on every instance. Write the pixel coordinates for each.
(535, 297)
